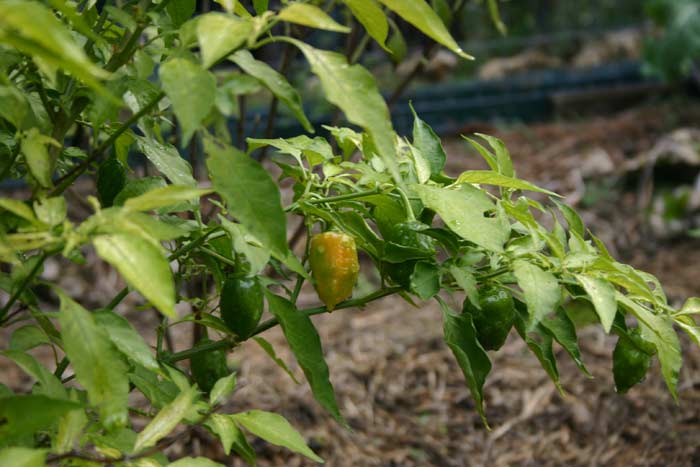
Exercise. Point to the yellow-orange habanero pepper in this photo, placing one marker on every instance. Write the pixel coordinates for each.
(334, 265)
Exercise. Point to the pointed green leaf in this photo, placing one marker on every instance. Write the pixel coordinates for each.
(166, 196)
(49, 385)
(428, 144)
(96, 362)
(166, 420)
(126, 338)
(179, 77)
(306, 346)
(270, 351)
(490, 177)
(371, 16)
(310, 15)
(562, 329)
(231, 436)
(23, 457)
(222, 389)
(274, 429)
(167, 160)
(460, 337)
(194, 462)
(252, 197)
(28, 337)
(602, 295)
(43, 413)
(143, 266)
(541, 289)
(420, 15)
(220, 35)
(275, 82)
(180, 10)
(36, 154)
(463, 210)
(20, 209)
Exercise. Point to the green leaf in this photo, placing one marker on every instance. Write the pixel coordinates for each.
(179, 77)
(602, 295)
(23, 457)
(125, 221)
(274, 429)
(126, 338)
(70, 428)
(111, 178)
(49, 385)
(316, 150)
(167, 160)
(44, 413)
(397, 44)
(28, 337)
(166, 196)
(541, 289)
(180, 11)
(97, 364)
(260, 6)
(138, 187)
(562, 329)
(166, 420)
(572, 218)
(194, 462)
(419, 14)
(220, 35)
(460, 337)
(463, 210)
(230, 435)
(39, 161)
(252, 197)
(20, 209)
(275, 82)
(143, 266)
(425, 280)
(541, 348)
(371, 16)
(222, 389)
(658, 329)
(306, 346)
(159, 392)
(310, 15)
(352, 88)
(247, 245)
(51, 211)
(490, 177)
(466, 281)
(270, 351)
(428, 144)
(34, 29)
(502, 156)
(16, 109)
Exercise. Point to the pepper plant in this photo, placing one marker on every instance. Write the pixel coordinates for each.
(91, 90)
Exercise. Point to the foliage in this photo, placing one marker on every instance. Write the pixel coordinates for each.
(87, 90)
(673, 51)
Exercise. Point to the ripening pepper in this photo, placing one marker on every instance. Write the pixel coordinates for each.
(334, 266)
(495, 318)
(241, 304)
(208, 367)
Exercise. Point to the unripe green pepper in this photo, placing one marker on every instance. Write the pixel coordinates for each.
(631, 360)
(334, 266)
(405, 245)
(241, 304)
(495, 318)
(208, 367)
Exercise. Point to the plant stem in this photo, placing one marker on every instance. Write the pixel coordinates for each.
(230, 342)
(348, 196)
(65, 181)
(13, 298)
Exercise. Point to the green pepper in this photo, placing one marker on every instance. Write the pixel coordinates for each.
(405, 245)
(334, 266)
(495, 318)
(631, 360)
(208, 367)
(241, 304)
